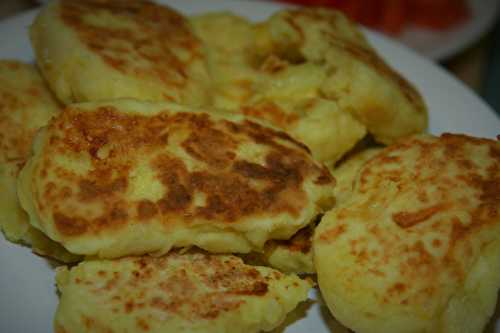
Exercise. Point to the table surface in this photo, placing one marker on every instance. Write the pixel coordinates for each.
(478, 66)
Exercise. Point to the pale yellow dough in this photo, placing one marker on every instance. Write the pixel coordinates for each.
(25, 105)
(92, 50)
(178, 293)
(355, 77)
(264, 83)
(416, 247)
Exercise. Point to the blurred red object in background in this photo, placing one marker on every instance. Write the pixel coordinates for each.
(391, 16)
(438, 14)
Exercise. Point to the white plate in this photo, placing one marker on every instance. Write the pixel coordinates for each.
(27, 293)
(439, 45)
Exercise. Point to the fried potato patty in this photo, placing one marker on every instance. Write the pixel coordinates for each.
(354, 75)
(273, 87)
(25, 105)
(189, 292)
(127, 177)
(416, 247)
(103, 49)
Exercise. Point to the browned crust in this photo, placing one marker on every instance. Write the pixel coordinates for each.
(160, 43)
(454, 182)
(200, 287)
(233, 188)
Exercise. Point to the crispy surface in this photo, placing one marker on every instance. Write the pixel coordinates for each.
(104, 173)
(309, 72)
(190, 292)
(295, 255)
(25, 105)
(346, 172)
(353, 74)
(416, 247)
(14, 221)
(119, 48)
(273, 86)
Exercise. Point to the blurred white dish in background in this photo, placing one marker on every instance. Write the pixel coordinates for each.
(442, 44)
